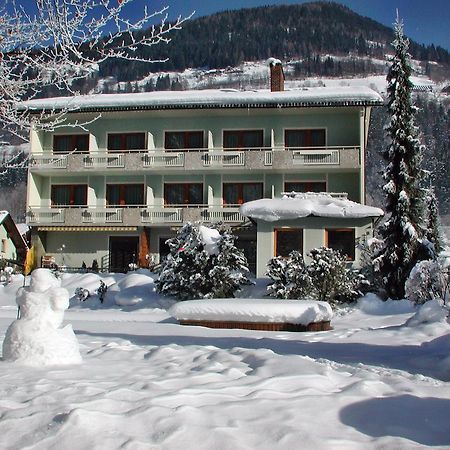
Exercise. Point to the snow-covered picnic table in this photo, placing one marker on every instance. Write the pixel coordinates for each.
(260, 314)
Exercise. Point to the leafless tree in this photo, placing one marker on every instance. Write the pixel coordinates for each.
(56, 42)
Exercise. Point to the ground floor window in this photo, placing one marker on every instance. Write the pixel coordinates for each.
(305, 186)
(183, 193)
(124, 194)
(288, 240)
(69, 195)
(342, 239)
(239, 193)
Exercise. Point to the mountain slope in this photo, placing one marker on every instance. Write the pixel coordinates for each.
(287, 32)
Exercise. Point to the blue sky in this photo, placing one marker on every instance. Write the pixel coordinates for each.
(426, 21)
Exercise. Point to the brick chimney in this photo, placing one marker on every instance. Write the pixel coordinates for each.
(276, 75)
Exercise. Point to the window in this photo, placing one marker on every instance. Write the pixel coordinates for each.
(304, 138)
(183, 194)
(183, 139)
(4, 246)
(239, 193)
(70, 142)
(242, 139)
(288, 240)
(305, 186)
(342, 240)
(124, 194)
(118, 142)
(69, 195)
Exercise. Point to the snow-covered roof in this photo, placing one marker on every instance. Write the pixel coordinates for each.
(308, 204)
(3, 215)
(209, 99)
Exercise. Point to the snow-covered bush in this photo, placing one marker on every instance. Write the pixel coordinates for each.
(203, 263)
(290, 277)
(326, 278)
(82, 294)
(331, 279)
(427, 281)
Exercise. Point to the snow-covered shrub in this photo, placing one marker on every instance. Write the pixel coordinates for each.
(82, 294)
(427, 281)
(203, 263)
(290, 277)
(331, 279)
(101, 291)
(326, 278)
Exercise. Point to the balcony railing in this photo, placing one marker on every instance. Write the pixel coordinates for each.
(315, 156)
(104, 161)
(282, 158)
(163, 159)
(224, 158)
(222, 214)
(52, 161)
(135, 215)
(45, 215)
(102, 215)
(161, 215)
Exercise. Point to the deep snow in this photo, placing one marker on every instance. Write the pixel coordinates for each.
(148, 383)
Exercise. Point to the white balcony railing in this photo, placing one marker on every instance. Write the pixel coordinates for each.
(222, 214)
(224, 158)
(163, 159)
(45, 215)
(102, 215)
(48, 161)
(102, 161)
(161, 215)
(315, 157)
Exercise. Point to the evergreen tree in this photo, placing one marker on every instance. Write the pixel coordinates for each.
(203, 263)
(433, 229)
(403, 228)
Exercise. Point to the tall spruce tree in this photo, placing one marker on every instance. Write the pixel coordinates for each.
(433, 223)
(404, 227)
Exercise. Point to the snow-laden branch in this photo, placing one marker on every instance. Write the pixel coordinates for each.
(53, 43)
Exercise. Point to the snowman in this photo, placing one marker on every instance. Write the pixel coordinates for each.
(36, 337)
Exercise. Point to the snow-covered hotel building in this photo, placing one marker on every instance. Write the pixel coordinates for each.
(117, 188)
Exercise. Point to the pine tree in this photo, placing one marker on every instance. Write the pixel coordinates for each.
(433, 229)
(199, 266)
(404, 226)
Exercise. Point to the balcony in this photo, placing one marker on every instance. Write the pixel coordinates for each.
(133, 215)
(51, 161)
(194, 160)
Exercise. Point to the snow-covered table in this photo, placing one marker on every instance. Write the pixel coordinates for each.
(255, 314)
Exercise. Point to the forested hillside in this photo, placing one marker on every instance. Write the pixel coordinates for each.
(288, 32)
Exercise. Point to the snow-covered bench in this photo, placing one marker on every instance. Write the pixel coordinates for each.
(255, 314)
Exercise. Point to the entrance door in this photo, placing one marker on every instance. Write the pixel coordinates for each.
(123, 250)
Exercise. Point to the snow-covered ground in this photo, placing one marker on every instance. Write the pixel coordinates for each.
(146, 382)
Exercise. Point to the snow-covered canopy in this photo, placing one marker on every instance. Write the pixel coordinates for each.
(228, 98)
(306, 204)
(3, 215)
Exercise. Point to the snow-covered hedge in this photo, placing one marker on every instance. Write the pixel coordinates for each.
(253, 310)
(203, 263)
(326, 278)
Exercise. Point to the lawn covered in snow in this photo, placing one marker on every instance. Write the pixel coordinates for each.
(379, 379)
